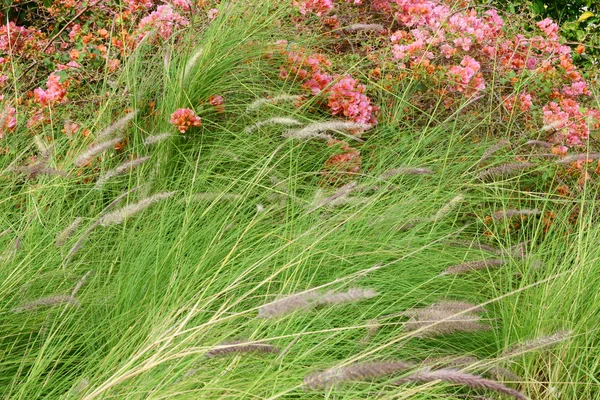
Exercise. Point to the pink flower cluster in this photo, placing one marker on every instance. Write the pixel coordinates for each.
(164, 20)
(14, 38)
(569, 122)
(9, 120)
(139, 5)
(523, 101)
(55, 92)
(466, 76)
(319, 7)
(184, 118)
(217, 102)
(346, 97)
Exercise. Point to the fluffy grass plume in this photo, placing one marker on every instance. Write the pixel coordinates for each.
(191, 63)
(117, 126)
(502, 214)
(95, 150)
(461, 378)
(366, 27)
(273, 121)
(445, 210)
(118, 216)
(256, 104)
(470, 266)
(504, 170)
(539, 143)
(578, 157)
(208, 196)
(341, 193)
(63, 236)
(349, 296)
(150, 140)
(405, 171)
(32, 171)
(317, 129)
(355, 372)
(121, 169)
(238, 347)
(492, 150)
(287, 304)
(535, 344)
(80, 284)
(441, 319)
(46, 302)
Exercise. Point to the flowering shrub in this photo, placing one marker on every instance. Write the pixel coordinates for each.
(184, 118)
(455, 50)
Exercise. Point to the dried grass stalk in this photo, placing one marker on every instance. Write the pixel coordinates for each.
(504, 170)
(536, 344)
(117, 126)
(502, 214)
(273, 121)
(238, 347)
(150, 140)
(121, 169)
(46, 302)
(493, 149)
(470, 266)
(355, 372)
(461, 378)
(62, 237)
(117, 217)
(95, 150)
(255, 105)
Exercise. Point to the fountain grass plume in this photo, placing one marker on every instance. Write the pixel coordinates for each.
(273, 121)
(578, 157)
(317, 130)
(117, 126)
(405, 171)
(121, 169)
(63, 236)
(341, 193)
(287, 304)
(502, 214)
(539, 143)
(150, 140)
(238, 347)
(470, 266)
(95, 150)
(118, 216)
(46, 302)
(355, 294)
(535, 344)
(80, 284)
(445, 210)
(460, 378)
(256, 104)
(492, 150)
(366, 27)
(192, 61)
(434, 322)
(504, 170)
(354, 372)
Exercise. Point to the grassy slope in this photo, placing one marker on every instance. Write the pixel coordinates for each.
(186, 275)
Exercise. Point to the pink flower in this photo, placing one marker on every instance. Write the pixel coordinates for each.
(3, 80)
(213, 13)
(164, 19)
(318, 7)
(183, 118)
(347, 97)
(318, 82)
(183, 4)
(74, 32)
(10, 120)
(217, 102)
(139, 5)
(549, 28)
(55, 92)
